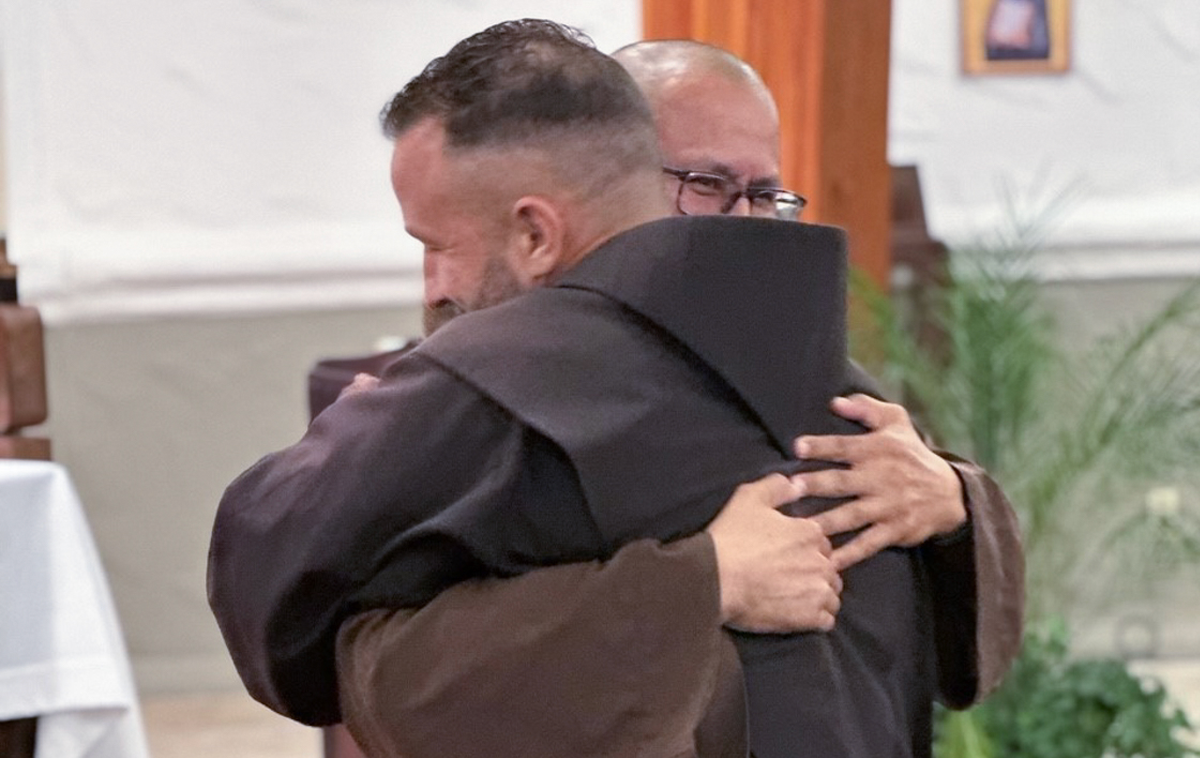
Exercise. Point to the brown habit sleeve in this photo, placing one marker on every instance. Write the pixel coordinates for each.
(626, 657)
(978, 585)
(557, 662)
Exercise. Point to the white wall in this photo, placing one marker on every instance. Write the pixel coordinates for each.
(1120, 126)
(212, 155)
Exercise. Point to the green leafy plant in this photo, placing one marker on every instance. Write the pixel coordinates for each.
(1054, 707)
(1076, 434)
(1094, 434)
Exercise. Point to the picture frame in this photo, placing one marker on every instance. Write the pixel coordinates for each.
(1015, 36)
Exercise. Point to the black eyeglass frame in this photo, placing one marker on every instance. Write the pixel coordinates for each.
(796, 201)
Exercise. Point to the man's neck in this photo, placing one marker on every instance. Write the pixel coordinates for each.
(601, 219)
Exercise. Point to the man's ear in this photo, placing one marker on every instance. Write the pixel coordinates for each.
(540, 245)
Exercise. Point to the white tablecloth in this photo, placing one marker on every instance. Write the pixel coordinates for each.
(62, 657)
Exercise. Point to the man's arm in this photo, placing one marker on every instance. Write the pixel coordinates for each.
(385, 503)
(376, 506)
(974, 657)
(907, 495)
(624, 657)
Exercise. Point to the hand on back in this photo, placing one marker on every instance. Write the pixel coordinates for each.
(775, 571)
(904, 492)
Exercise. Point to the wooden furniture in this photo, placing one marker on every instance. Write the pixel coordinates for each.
(22, 370)
(913, 249)
(919, 262)
(22, 404)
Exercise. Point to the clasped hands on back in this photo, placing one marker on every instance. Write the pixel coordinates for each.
(779, 573)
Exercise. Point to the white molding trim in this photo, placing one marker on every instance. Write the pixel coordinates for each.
(217, 299)
(124, 299)
(107, 277)
(1116, 262)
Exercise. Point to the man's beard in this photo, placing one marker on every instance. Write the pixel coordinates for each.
(439, 314)
(498, 284)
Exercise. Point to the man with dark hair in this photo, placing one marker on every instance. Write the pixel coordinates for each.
(505, 442)
(580, 125)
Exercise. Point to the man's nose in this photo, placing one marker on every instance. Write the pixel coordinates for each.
(435, 289)
(740, 207)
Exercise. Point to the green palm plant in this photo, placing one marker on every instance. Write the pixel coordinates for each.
(1076, 435)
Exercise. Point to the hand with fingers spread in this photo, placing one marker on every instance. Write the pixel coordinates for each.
(775, 571)
(905, 493)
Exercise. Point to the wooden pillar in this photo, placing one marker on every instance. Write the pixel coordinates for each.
(826, 62)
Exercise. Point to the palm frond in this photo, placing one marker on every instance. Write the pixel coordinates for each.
(1059, 426)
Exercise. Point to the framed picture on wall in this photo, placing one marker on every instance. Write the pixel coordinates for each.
(1015, 36)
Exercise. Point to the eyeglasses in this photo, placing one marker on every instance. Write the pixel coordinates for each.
(702, 194)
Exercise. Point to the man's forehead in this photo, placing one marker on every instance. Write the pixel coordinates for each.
(713, 124)
(759, 171)
(421, 176)
(419, 142)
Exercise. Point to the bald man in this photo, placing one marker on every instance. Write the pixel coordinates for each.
(718, 129)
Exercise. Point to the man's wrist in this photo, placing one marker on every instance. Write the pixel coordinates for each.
(729, 595)
(962, 529)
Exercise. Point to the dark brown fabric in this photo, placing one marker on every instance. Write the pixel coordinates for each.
(18, 738)
(583, 680)
(391, 496)
(980, 578)
(976, 580)
(472, 631)
(22, 368)
(464, 461)
(330, 376)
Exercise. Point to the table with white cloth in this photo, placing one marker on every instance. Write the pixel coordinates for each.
(62, 656)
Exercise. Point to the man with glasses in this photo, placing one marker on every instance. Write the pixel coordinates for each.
(718, 128)
(704, 194)
(724, 181)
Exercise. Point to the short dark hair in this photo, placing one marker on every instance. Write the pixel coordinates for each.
(529, 83)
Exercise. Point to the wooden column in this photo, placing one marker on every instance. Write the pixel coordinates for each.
(826, 62)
